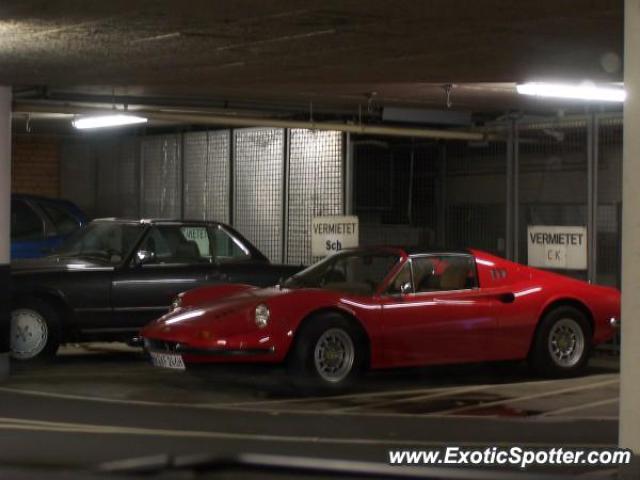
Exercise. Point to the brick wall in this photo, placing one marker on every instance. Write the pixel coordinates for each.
(35, 165)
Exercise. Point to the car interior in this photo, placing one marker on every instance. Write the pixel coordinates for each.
(434, 273)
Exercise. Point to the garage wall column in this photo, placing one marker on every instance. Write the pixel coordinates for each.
(630, 353)
(5, 224)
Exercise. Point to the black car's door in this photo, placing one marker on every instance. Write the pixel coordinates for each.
(172, 258)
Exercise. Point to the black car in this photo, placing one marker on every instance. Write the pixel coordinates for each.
(113, 276)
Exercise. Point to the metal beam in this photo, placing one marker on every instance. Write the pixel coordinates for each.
(203, 118)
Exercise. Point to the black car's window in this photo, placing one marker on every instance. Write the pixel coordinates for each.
(226, 248)
(107, 241)
(178, 244)
(26, 225)
(444, 272)
(63, 222)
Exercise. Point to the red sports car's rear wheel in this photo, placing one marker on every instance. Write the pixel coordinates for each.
(329, 353)
(562, 344)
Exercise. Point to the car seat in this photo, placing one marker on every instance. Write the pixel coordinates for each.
(187, 250)
(334, 276)
(454, 277)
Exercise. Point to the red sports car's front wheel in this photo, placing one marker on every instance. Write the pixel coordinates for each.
(562, 344)
(329, 353)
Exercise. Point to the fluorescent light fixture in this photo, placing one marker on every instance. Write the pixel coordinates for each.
(584, 91)
(105, 121)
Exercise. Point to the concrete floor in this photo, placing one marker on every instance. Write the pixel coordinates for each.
(107, 402)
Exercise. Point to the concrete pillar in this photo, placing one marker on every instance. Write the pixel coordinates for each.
(630, 354)
(5, 224)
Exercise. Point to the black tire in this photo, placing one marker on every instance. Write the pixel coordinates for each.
(548, 364)
(301, 363)
(52, 323)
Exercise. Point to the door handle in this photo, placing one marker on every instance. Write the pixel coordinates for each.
(507, 297)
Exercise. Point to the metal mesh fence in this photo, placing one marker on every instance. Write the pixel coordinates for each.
(552, 179)
(315, 187)
(405, 191)
(475, 199)
(206, 161)
(609, 194)
(161, 179)
(258, 187)
(129, 178)
(396, 190)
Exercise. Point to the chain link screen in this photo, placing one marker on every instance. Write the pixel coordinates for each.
(206, 159)
(161, 179)
(552, 179)
(315, 187)
(609, 209)
(258, 188)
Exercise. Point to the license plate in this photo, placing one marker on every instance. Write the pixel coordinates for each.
(167, 360)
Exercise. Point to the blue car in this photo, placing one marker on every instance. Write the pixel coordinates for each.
(39, 224)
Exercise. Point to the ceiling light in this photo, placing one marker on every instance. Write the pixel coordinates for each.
(584, 91)
(105, 121)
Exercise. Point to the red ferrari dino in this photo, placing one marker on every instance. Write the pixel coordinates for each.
(390, 307)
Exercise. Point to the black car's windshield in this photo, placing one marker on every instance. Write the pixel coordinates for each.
(106, 241)
(352, 272)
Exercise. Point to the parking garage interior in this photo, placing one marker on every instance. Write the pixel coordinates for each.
(266, 115)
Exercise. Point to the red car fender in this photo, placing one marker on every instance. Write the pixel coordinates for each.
(293, 312)
(543, 290)
(599, 309)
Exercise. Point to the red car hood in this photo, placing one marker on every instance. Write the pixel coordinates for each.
(229, 315)
(233, 316)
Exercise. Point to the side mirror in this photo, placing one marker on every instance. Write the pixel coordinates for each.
(406, 288)
(144, 256)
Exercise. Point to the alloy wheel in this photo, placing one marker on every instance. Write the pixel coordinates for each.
(334, 355)
(566, 342)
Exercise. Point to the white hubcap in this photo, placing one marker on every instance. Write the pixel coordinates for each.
(28, 333)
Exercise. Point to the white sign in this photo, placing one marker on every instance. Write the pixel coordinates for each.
(557, 247)
(332, 234)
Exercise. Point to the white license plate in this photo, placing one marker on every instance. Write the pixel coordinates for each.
(167, 360)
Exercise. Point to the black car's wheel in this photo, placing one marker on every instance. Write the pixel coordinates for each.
(328, 354)
(35, 330)
(562, 344)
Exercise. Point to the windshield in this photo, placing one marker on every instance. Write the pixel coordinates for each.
(353, 272)
(105, 241)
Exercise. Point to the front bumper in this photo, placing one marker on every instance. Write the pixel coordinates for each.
(200, 354)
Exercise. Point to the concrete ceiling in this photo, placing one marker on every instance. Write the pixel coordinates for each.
(333, 53)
